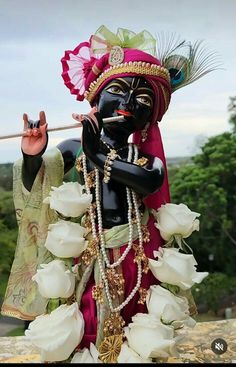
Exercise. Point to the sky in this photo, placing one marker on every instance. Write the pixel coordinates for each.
(35, 34)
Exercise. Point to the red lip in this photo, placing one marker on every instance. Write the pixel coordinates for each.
(124, 113)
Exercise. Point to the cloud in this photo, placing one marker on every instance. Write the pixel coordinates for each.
(34, 35)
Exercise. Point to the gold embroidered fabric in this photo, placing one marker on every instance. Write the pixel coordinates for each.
(22, 299)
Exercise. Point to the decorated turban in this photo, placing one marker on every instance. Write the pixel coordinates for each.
(91, 65)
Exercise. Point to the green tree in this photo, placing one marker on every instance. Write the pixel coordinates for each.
(7, 210)
(208, 186)
(232, 110)
(7, 244)
(8, 231)
(214, 291)
(6, 176)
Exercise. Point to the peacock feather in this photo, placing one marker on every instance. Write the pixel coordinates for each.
(186, 62)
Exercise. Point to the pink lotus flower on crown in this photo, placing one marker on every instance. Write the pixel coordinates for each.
(76, 65)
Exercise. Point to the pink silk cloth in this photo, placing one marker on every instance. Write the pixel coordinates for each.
(129, 268)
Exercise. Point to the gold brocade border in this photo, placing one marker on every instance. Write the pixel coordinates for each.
(137, 67)
(117, 255)
(12, 312)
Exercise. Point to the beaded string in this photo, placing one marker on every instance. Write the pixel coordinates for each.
(109, 147)
(100, 226)
(94, 233)
(111, 156)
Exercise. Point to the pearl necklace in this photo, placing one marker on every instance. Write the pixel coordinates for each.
(104, 259)
(100, 227)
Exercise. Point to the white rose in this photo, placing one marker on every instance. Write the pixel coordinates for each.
(148, 337)
(168, 307)
(127, 355)
(68, 199)
(55, 280)
(87, 356)
(66, 239)
(57, 334)
(173, 219)
(176, 268)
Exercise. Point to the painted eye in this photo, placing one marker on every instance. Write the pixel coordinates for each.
(146, 100)
(115, 89)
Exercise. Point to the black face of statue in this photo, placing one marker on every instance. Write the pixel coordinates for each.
(131, 97)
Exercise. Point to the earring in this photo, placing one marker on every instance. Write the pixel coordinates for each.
(144, 133)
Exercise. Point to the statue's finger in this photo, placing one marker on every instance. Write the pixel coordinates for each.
(25, 119)
(36, 132)
(42, 118)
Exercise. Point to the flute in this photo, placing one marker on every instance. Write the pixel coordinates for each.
(65, 127)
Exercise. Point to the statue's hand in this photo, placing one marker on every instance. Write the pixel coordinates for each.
(35, 137)
(92, 125)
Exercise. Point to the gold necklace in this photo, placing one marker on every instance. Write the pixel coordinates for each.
(111, 148)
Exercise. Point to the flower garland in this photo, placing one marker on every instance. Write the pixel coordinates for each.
(151, 336)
